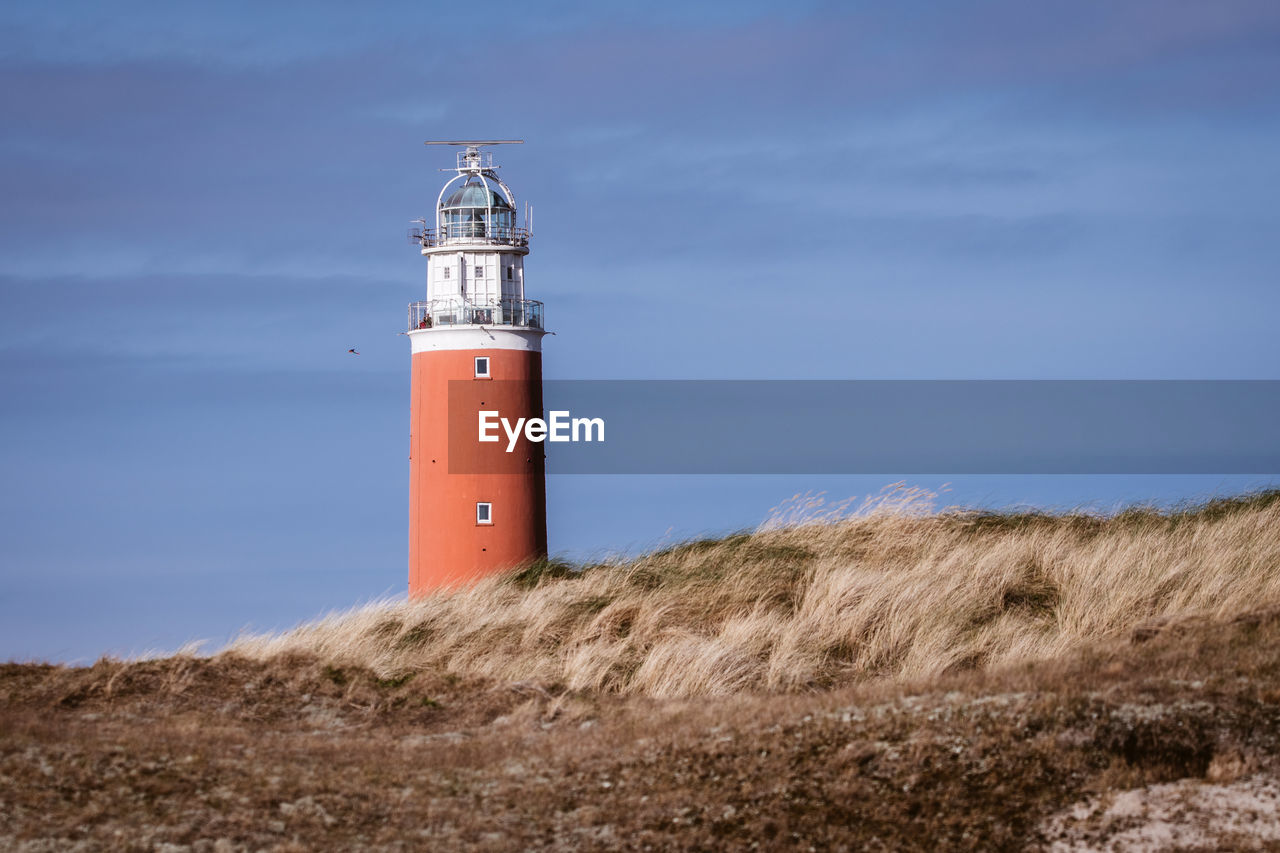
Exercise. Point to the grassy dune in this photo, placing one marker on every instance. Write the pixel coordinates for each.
(819, 598)
(900, 679)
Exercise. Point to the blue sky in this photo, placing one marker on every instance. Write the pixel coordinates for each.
(203, 207)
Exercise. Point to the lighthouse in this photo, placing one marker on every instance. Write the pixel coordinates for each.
(474, 508)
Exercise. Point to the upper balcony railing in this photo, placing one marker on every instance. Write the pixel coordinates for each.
(524, 313)
(469, 232)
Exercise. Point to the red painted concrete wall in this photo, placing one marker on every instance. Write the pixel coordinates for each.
(447, 548)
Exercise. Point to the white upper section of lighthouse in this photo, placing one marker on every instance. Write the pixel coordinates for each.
(475, 253)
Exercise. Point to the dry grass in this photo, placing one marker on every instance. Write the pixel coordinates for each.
(1058, 682)
(1171, 731)
(822, 597)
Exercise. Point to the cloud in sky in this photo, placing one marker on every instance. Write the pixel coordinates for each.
(139, 151)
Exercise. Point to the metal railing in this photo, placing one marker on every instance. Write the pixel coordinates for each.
(469, 232)
(524, 313)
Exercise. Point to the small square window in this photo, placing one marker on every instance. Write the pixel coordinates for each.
(484, 513)
(511, 273)
(482, 367)
(479, 272)
(446, 272)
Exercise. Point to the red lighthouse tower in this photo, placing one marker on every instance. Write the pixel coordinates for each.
(474, 508)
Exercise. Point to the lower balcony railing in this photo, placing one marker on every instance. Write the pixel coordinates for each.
(525, 313)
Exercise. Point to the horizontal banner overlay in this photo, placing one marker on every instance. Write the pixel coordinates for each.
(865, 427)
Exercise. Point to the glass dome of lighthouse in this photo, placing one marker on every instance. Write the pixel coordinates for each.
(477, 209)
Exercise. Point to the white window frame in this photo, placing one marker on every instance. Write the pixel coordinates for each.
(446, 272)
(487, 508)
(485, 374)
(479, 271)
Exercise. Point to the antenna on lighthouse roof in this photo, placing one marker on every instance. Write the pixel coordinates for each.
(471, 160)
(470, 143)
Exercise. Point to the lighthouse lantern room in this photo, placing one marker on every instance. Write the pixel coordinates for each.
(477, 345)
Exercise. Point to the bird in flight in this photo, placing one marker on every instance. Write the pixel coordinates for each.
(353, 351)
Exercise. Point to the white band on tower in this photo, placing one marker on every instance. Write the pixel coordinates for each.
(476, 337)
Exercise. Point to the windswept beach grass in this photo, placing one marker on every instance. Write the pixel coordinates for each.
(872, 676)
(822, 596)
